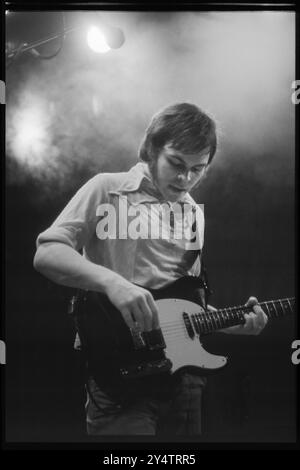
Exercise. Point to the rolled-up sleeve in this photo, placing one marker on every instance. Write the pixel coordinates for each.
(76, 223)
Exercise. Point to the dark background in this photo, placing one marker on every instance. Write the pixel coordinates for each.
(88, 116)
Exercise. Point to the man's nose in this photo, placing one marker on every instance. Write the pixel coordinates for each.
(185, 175)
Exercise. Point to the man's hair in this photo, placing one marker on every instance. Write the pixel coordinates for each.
(182, 125)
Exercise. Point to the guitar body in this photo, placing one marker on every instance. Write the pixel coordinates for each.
(183, 347)
(113, 349)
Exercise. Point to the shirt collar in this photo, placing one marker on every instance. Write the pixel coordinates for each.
(134, 178)
(139, 178)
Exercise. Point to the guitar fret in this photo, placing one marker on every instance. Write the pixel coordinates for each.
(232, 322)
(214, 321)
(276, 311)
(218, 318)
(203, 323)
(227, 317)
(212, 324)
(203, 327)
(271, 309)
(223, 320)
(199, 322)
(268, 311)
(288, 307)
(196, 323)
(281, 305)
(240, 316)
(230, 316)
(234, 316)
(285, 307)
(208, 322)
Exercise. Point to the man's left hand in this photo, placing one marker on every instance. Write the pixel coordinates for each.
(255, 321)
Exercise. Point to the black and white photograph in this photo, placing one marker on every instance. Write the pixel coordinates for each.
(150, 227)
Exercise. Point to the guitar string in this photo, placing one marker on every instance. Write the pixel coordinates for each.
(218, 321)
(175, 324)
(208, 325)
(213, 324)
(181, 333)
(242, 309)
(177, 330)
(176, 337)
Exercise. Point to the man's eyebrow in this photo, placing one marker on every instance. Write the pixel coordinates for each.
(200, 164)
(182, 161)
(173, 155)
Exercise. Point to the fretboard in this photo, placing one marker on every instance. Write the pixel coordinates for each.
(210, 321)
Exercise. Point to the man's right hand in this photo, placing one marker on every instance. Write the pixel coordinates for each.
(136, 304)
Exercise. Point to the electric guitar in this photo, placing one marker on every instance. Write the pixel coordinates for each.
(112, 348)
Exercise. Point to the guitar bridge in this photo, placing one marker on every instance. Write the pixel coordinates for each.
(155, 339)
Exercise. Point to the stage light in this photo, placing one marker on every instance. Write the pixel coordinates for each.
(97, 40)
(31, 137)
(101, 39)
(114, 36)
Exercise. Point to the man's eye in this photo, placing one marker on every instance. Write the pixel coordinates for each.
(198, 169)
(176, 165)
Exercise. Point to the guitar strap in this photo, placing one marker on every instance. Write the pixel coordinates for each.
(204, 289)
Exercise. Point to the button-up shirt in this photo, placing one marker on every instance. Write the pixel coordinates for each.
(120, 221)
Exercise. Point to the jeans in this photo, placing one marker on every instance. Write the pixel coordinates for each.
(158, 408)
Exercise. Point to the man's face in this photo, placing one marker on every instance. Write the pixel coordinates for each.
(176, 173)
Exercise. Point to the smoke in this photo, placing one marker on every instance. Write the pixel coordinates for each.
(83, 113)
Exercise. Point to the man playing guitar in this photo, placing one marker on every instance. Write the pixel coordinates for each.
(175, 154)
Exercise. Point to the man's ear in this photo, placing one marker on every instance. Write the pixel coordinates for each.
(151, 165)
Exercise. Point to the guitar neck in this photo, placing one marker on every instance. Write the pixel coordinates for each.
(225, 317)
